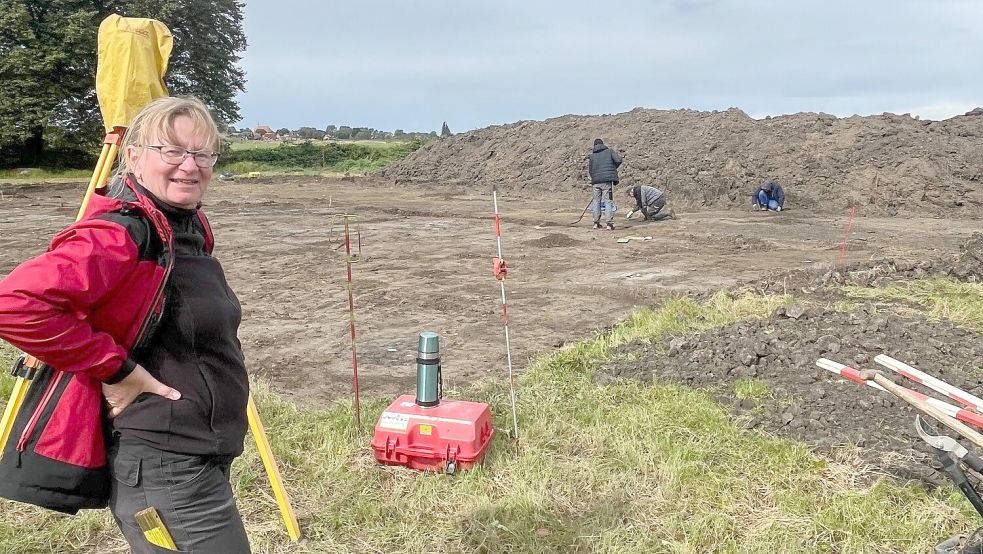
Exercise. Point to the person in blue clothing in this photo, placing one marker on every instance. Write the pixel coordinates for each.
(769, 196)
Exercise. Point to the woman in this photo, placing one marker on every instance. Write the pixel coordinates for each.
(129, 302)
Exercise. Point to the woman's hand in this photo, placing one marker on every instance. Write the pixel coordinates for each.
(139, 381)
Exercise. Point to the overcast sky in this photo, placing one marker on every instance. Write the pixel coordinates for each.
(411, 65)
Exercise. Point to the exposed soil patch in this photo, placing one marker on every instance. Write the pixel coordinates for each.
(554, 240)
(808, 403)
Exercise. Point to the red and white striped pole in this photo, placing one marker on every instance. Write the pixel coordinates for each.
(846, 238)
(853, 374)
(938, 385)
(500, 270)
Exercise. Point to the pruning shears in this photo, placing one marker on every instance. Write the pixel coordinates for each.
(950, 453)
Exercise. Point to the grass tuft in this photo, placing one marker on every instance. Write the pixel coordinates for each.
(942, 298)
(752, 389)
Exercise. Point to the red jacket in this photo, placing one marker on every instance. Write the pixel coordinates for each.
(80, 307)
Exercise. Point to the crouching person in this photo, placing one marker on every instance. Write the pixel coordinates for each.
(769, 196)
(651, 202)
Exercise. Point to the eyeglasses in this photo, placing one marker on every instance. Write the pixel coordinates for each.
(175, 155)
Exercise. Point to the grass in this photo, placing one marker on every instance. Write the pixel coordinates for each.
(752, 389)
(241, 169)
(264, 144)
(623, 467)
(845, 306)
(7, 357)
(332, 158)
(351, 167)
(45, 174)
(683, 316)
(960, 302)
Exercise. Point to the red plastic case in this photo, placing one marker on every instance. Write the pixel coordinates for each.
(450, 436)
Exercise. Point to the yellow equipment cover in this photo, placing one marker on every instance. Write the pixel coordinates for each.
(133, 56)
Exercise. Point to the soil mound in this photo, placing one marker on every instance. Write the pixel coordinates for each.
(969, 261)
(885, 164)
(554, 240)
(808, 403)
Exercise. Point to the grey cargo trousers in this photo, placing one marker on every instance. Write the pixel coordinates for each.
(603, 191)
(191, 493)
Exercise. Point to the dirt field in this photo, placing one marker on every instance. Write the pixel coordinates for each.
(426, 264)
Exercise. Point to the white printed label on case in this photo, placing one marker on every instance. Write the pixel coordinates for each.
(391, 420)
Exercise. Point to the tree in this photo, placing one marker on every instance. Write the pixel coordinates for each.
(362, 134)
(445, 131)
(48, 61)
(43, 79)
(282, 132)
(330, 129)
(343, 132)
(308, 133)
(399, 134)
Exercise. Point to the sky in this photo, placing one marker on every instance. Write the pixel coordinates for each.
(412, 65)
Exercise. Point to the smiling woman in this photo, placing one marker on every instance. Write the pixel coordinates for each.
(141, 328)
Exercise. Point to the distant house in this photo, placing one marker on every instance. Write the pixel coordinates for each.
(262, 131)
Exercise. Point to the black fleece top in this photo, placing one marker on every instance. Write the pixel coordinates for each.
(195, 350)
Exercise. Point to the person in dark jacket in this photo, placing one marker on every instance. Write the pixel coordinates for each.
(603, 169)
(650, 201)
(769, 196)
(168, 362)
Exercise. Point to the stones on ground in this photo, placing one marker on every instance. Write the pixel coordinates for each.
(807, 403)
(795, 311)
(676, 345)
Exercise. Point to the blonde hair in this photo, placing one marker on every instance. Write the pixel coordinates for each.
(156, 119)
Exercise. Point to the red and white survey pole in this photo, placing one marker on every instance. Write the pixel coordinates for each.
(966, 399)
(500, 270)
(853, 374)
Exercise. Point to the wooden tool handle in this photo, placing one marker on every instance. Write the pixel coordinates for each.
(924, 407)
